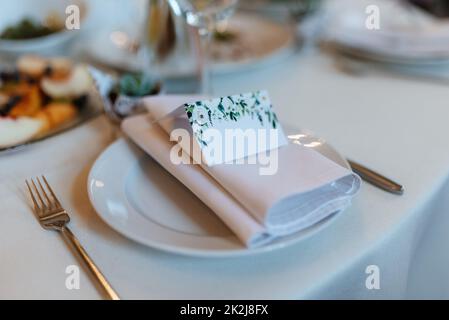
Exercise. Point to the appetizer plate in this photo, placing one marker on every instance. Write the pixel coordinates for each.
(134, 195)
(92, 109)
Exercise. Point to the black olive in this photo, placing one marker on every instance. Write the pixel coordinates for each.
(81, 101)
(45, 99)
(7, 107)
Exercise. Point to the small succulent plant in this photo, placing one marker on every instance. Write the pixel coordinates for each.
(137, 85)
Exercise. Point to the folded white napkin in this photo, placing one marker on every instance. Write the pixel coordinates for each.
(257, 208)
(405, 30)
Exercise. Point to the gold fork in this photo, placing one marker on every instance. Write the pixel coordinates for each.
(52, 216)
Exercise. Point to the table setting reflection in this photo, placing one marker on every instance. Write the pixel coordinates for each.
(223, 149)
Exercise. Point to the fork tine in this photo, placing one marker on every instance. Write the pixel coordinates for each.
(36, 206)
(51, 191)
(43, 207)
(44, 192)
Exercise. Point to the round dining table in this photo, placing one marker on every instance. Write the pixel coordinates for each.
(383, 246)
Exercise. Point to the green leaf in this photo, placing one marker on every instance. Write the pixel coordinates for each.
(136, 85)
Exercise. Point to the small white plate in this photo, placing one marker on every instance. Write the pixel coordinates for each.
(134, 195)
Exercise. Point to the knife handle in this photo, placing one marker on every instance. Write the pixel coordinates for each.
(376, 179)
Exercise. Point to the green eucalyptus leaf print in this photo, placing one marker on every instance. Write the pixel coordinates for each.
(204, 114)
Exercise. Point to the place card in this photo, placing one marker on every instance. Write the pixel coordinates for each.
(235, 127)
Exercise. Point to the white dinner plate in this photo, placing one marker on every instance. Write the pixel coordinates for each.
(258, 42)
(134, 195)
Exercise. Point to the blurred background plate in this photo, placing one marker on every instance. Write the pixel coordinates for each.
(254, 41)
(12, 12)
(407, 35)
(387, 56)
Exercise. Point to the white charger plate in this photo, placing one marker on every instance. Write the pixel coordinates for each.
(135, 196)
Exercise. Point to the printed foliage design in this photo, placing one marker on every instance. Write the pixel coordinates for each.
(204, 114)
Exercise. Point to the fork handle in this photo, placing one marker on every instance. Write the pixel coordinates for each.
(90, 264)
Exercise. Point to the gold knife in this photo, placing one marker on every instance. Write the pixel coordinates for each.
(376, 179)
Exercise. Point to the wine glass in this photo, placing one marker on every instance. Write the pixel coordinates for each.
(204, 15)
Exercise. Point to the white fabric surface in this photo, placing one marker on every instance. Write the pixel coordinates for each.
(305, 189)
(396, 126)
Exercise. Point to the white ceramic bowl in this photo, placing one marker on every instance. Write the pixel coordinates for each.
(12, 12)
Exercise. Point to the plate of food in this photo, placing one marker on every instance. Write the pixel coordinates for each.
(26, 27)
(41, 97)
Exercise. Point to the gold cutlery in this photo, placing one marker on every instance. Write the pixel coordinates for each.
(376, 179)
(52, 216)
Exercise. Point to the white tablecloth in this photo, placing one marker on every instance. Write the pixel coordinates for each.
(396, 126)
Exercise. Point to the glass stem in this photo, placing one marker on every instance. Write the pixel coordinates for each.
(204, 63)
